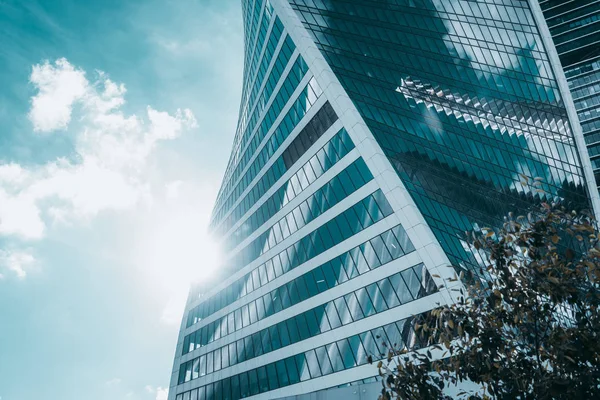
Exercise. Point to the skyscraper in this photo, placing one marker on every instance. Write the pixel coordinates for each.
(371, 136)
(575, 28)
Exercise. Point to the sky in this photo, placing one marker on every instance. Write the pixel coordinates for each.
(116, 122)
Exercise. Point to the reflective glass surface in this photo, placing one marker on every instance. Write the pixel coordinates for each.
(370, 255)
(325, 158)
(321, 361)
(409, 285)
(575, 28)
(461, 97)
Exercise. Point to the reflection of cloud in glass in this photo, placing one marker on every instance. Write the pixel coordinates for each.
(498, 114)
(545, 132)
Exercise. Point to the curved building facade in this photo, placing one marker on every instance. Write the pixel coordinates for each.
(371, 136)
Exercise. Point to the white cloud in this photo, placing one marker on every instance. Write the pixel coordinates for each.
(173, 310)
(162, 393)
(59, 87)
(19, 215)
(173, 189)
(113, 382)
(109, 169)
(16, 261)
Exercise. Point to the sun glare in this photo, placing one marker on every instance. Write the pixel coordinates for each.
(177, 251)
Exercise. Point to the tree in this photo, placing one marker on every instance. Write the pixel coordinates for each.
(529, 330)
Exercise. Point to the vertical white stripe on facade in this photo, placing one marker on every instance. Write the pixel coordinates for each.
(565, 93)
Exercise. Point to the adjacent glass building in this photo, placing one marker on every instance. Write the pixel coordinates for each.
(371, 136)
(575, 28)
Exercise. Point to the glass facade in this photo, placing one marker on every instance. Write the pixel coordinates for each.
(462, 98)
(326, 264)
(575, 29)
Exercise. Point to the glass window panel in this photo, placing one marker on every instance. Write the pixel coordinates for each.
(406, 333)
(283, 334)
(319, 279)
(275, 341)
(381, 250)
(359, 260)
(370, 344)
(186, 345)
(353, 306)
(303, 291)
(334, 356)
(230, 323)
(282, 374)
(370, 255)
(244, 389)
(403, 239)
(392, 244)
(241, 352)
(324, 362)
(188, 371)
(196, 368)
(292, 370)
(293, 329)
(376, 298)
(263, 380)
(346, 353)
(349, 266)
(272, 375)
(202, 370)
(238, 318)
(413, 282)
(330, 275)
(285, 297)
(313, 363)
(210, 365)
(389, 337)
(226, 387)
(257, 344)
(293, 291)
(303, 325)
(365, 302)
(405, 293)
(276, 301)
(181, 374)
(235, 387)
(268, 302)
(311, 322)
(358, 350)
(260, 309)
(322, 319)
(388, 293)
(198, 338)
(343, 312)
(333, 316)
(253, 382)
(266, 340)
(302, 365)
(252, 310)
(232, 354)
(248, 347)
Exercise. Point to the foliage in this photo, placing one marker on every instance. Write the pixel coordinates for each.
(530, 330)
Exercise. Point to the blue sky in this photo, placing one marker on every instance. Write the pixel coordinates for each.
(116, 120)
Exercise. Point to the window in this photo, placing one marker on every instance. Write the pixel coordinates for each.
(313, 363)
